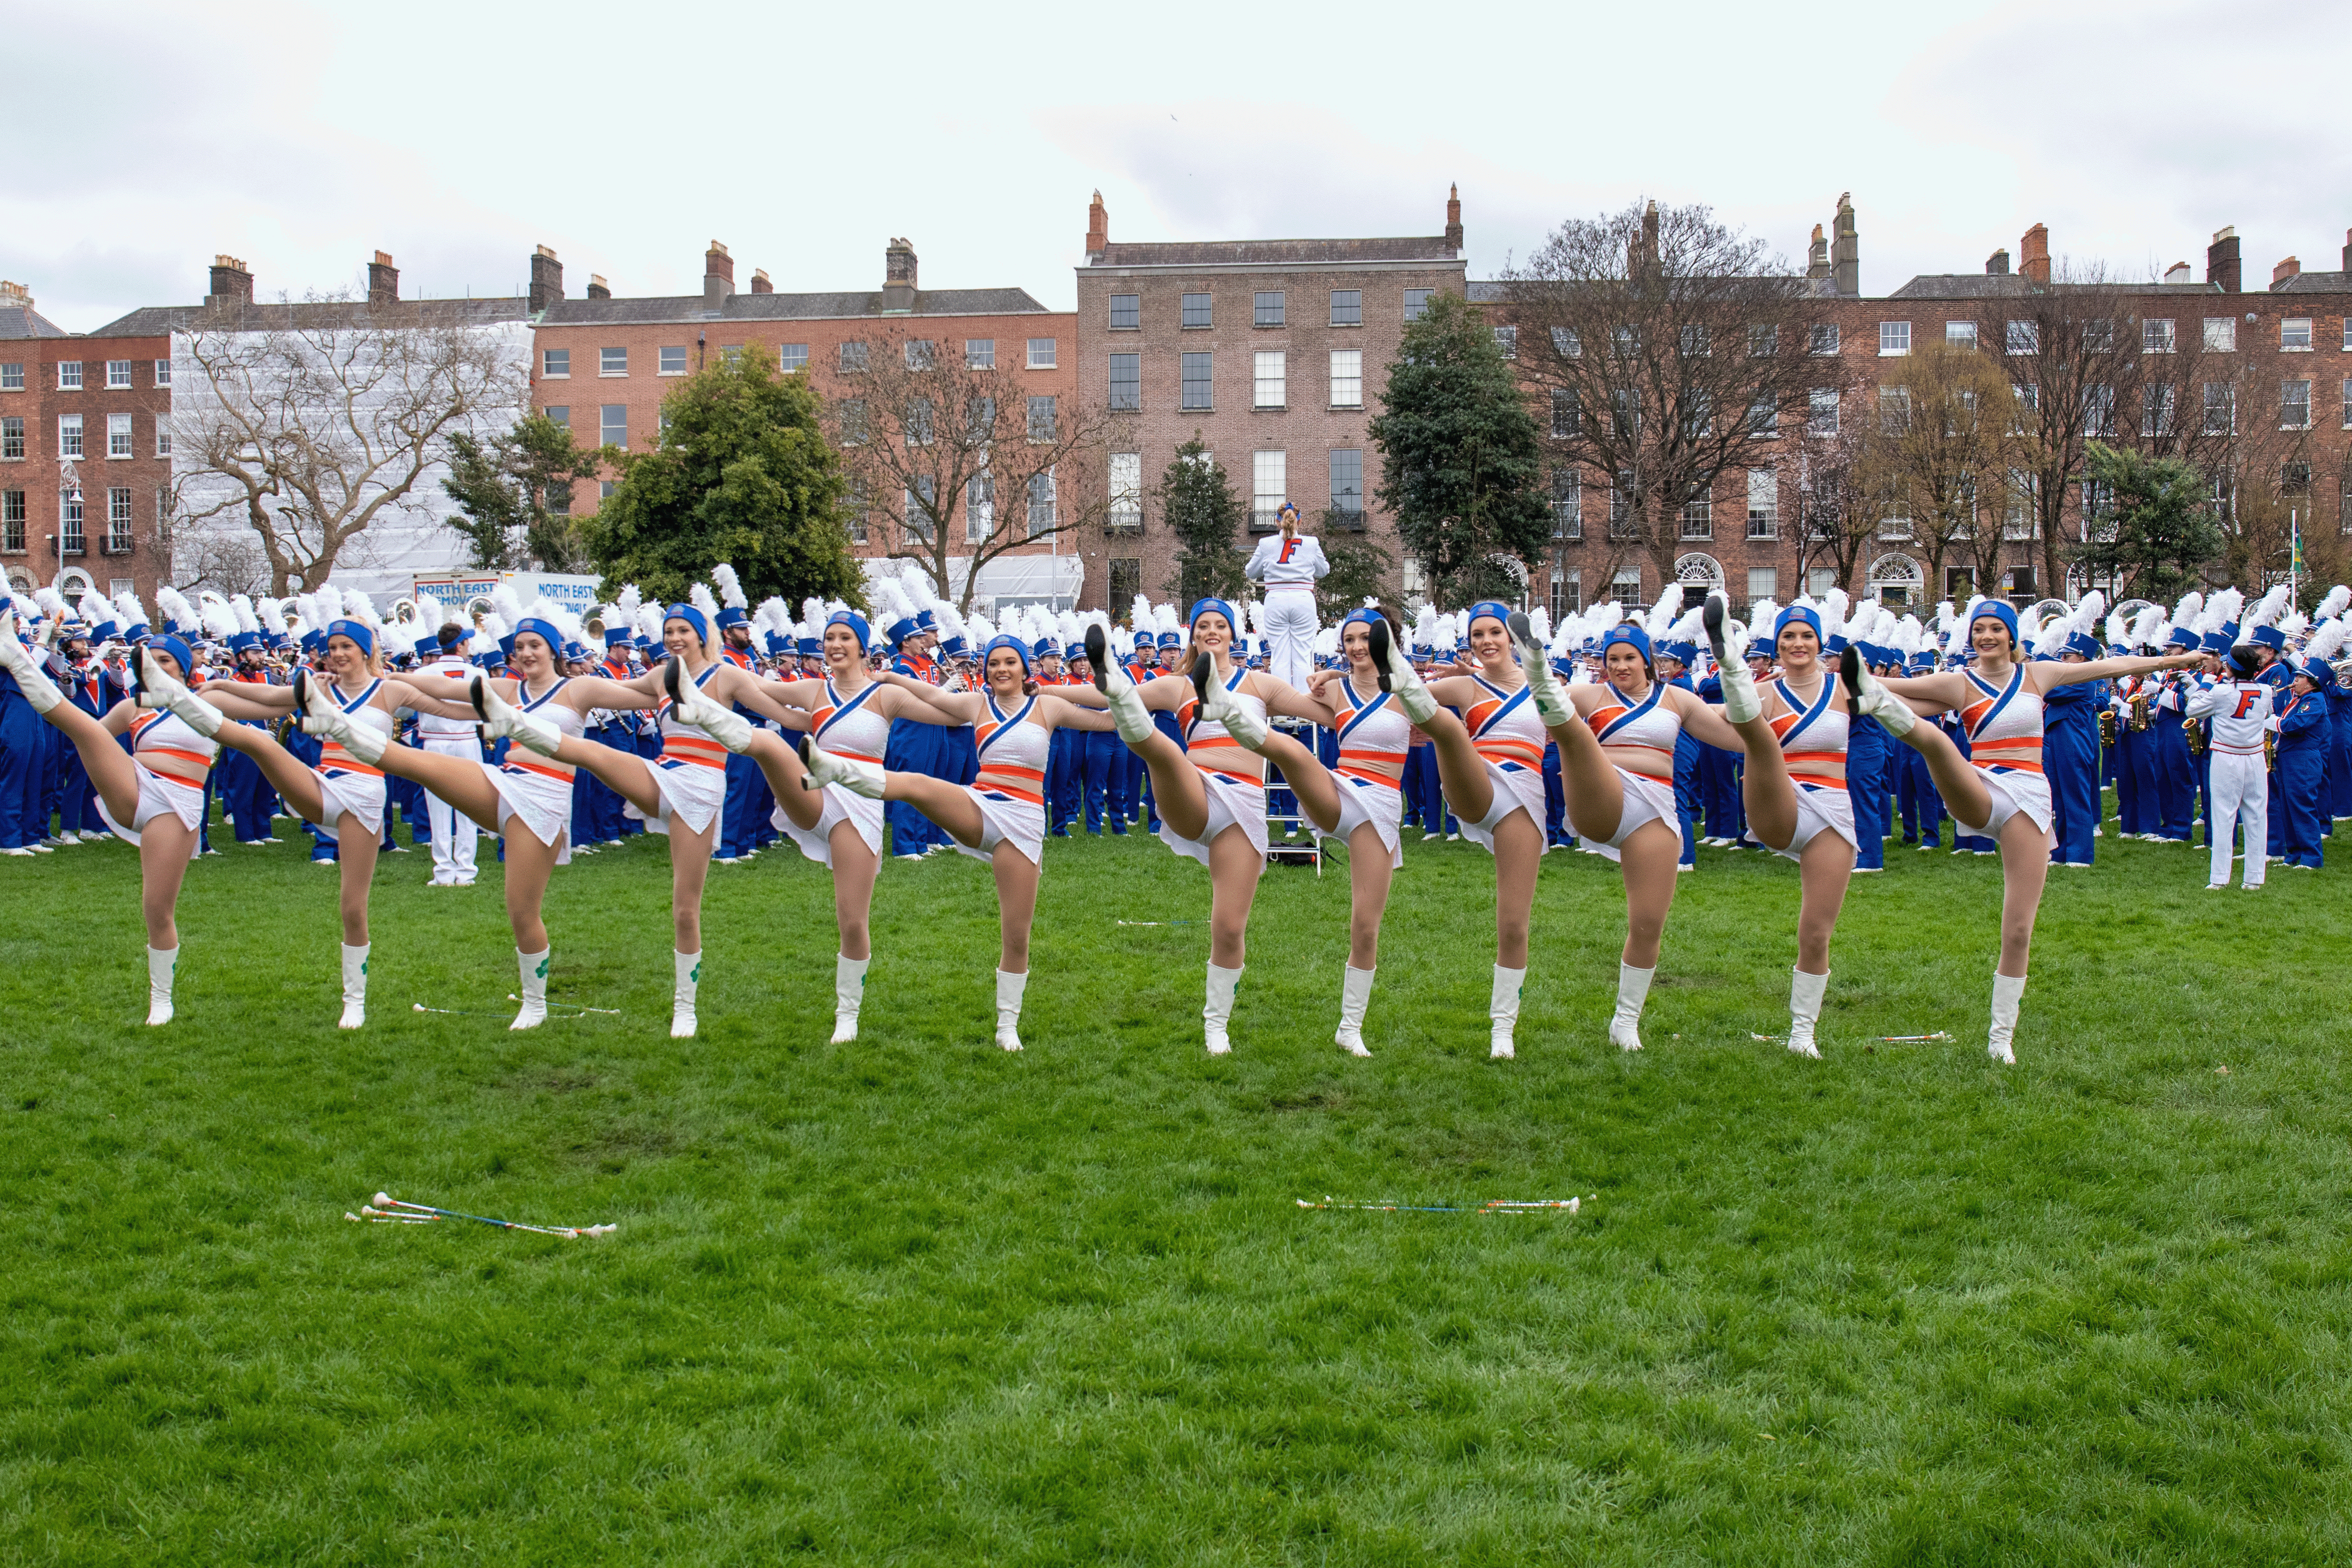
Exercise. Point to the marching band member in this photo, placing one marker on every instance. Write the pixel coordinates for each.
(454, 834)
(1288, 564)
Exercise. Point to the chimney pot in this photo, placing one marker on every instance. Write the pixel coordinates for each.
(16, 294)
(718, 277)
(2348, 253)
(1097, 227)
(899, 287)
(2224, 265)
(1453, 219)
(2033, 255)
(597, 287)
(546, 279)
(231, 283)
(759, 284)
(1845, 255)
(1997, 264)
(1817, 257)
(2284, 270)
(383, 280)
(2179, 272)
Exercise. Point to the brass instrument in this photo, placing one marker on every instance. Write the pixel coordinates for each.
(2270, 748)
(2108, 727)
(2193, 730)
(2140, 713)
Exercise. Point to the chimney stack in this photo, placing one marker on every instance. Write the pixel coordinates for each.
(1845, 265)
(2223, 268)
(1817, 257)
(597, 287)
(1097, 227)
(2034, 255)
(2347, 251)
(759, 284)
(16, 294)
(899, 277)
(546, 279)
(1997, 264)
(383, 281)
(2284, 270)
(2177, 273)
(718, 277)
(231, 283)
(1453, 219)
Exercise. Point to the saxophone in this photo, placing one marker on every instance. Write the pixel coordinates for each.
(2193, 729)
(2108, 727)
(2139, 710)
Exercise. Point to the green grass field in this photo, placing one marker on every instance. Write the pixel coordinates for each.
(914, 1300)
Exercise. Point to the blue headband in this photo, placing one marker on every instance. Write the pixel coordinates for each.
(178, 649)
(1000, 641)
(1633, 636)
(855, 623)
(691, 616)
(1493, 607)
(1202, 607)
(356, 631)
(1364, 617)
(1797, 615)
(544, 629)
(1998, 612)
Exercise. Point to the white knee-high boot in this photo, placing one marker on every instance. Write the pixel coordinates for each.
(1355, 995)
(1503, 1010)
(1805, 1010)
(688, 970)
(1219, 1010)
(162, 964)
(2007, 991)
(848, 996)
(1010, 989)
(534, 968)
(355, 963)
(1632, 990)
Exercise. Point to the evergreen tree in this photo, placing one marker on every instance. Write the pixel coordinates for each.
(1461, 464)
(1361, 569)
(1200, 507)
(2161, 530)
(742, 473)
(514, 495)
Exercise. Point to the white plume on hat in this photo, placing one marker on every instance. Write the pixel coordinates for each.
(2268, 609)
(2332, 603)
(178, 614)
(1660, 618)
(219, 618)
(2147, 627)
(698, 595)
(730, 587)
(2222, 608)
(2329, 641)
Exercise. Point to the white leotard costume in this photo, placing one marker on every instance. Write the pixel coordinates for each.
(1649, 790)
(160, 736)
(1374, 738)
(347, 786)
(538, 789)
(1232, 774)
(1813, 736)
(1509, 738)
(1011, 788)
(2004, 730)
(847, 727)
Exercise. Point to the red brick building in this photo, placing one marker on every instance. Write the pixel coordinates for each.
(85, 455)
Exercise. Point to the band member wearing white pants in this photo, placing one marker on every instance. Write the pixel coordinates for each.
(454, 832)
(2237, 715)
(1288, 564)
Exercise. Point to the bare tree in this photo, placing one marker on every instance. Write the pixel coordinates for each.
(1837, 521)
(309, 422)
(951, 464)
(1939, 446)
(1660, 348)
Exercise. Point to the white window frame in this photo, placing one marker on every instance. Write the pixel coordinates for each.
(68, 375)
(1347, 378)
(2220, 334)
(547, 371)
(163, 436)
(118, 435)
(2286, 388)
(1269, 485)
(2291, 328)
(791, 357)
(604, 425)
(1764, 484)
(605, 361)
(117, 372)
(1044, 353)
(1960, 334)
(1269, 391)
(1053, 504)
(1763, 583)
(979, 507)
(70, 442)
(1126, 490)
(2156, 336)
(980, 353)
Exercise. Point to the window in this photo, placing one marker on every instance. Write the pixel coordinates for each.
(1625, 341)
(2294, 337)
(2158, 407)
(69, 536)
(1764, 418)
(1042, 355)
(2099, 409)
(11, 374)
(1347, 483)
(612, 424)
(118, 517)
(1043, 422)
(68, 375)
(2347, 403)
(2221, 408)
(1567, 417)
(859, 506)
(2220, 334)
(1347, 307)
(2099, 336)
(1823, 338)
(556, 364)
(1269, 487)
(11, 439)
(2098, 512)
(2294, 405)
(853, 359)
(2155, 337)
(1697, 343)
(1416, 303)
(2023, 337)
(1625, 411)
(118, 371)
(1763, 342)
(671, 361)
(1763, 509)
(1567, 503)
(1196, 310)
(919, 425)
(1507, 338)
(604, 493)
(2294, 480)
(162, 373)
(68, 435)
(163, 436)
(1567, 593)
(920, 353)
(1270, 384)
(1126, 382)
(1347, 378)
(1566, 343)
(1126, 312)
(1626, 587)
(1197, 385)
(917, 503)
(1894, 410)
(118, 432)
(1763, 583)
(1621, 522)
(979, 421)
(1821, 411)
(1266, 309)
(2021, 518)
(1041, 503)
(615, 361)
(1698, 514)
(791, 357)
(979, 508)
(1125, 579)
(12, 521)
(1126, 490)
(852, 419)
(980, 353)
(1960, 334)
(558, 413)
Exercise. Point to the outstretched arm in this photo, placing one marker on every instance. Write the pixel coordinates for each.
(226, 696)
(601, 691)
(1928, 696)
(2045, 676)
(1705, 724)
(1281, 698)
(918, 701)
(1063, 714)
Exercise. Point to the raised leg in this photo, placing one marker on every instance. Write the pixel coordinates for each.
(1369, 874)
(111, 772)
(1957, 779)
(287, 774)
(1765, 787)
(459, 780)
(1596, 796)
(1317, 787)
(1176, 785)
(630, 776)
(946, 804)
(780, 760)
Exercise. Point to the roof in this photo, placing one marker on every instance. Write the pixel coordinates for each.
(682, 307)
(2315, 283)
(2001, 285)
(162, 320)
(1275, 252)
(23, 321)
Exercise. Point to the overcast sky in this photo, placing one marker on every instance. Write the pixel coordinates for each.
(145, 137)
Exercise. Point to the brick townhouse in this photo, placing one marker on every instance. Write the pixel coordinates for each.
(85, 454)
(1274, 352)
(605, 363)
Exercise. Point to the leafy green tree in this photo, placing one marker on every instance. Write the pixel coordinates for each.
(1461, 464)
(742, 473)
(514, 495)
(1361, 569)
(1198, 504)
(2160, 529)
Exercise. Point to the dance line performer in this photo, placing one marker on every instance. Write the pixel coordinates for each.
(1998, 789)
